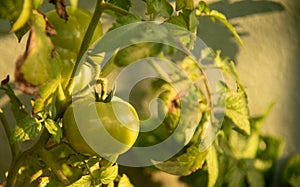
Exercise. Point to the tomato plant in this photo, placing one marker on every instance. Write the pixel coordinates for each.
(205, 126)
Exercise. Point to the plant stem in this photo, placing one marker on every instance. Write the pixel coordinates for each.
(18, 160)
(13, 146)
(55, 167)
(85, 43)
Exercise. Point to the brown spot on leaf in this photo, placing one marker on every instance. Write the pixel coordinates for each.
(60, 6)
(5, 81)
(20, 81)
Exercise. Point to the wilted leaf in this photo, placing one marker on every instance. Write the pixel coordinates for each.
(60, 6)
(184, 164)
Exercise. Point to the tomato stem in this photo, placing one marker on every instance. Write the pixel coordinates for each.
(19, 159)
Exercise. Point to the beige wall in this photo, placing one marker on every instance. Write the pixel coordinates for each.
(269, 66)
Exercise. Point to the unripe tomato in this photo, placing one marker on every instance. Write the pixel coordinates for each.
(69, 36)
(106, 129)
(136, 52)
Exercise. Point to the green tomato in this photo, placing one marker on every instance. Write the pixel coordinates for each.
(137, 52)
(114, 135)
(69, 35)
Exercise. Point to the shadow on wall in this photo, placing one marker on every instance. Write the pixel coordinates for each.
(218, 36)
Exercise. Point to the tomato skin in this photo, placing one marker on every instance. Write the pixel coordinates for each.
(69, 36)
(88, 136)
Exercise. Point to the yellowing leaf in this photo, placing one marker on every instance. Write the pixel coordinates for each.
(124, 182)
(212, 166)
(184, 164)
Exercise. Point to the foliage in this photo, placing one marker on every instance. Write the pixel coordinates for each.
(239, 156)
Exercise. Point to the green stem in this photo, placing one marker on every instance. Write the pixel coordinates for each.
(18, 160)
(85, 43)
(13, 145)
(55, 167)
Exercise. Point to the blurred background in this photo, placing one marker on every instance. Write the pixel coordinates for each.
(268, 65)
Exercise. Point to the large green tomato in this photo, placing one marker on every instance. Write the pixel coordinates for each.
(98, 128)
(69, 36)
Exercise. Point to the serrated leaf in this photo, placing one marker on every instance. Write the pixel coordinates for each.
(212, 166)
(84, 181)
(54, 129)
(184, 164)
(26, 129)
(184, 4)
(107, 175)
(124, 182)
(125, 4)
(204, 10)
(226, 65)
(237, 110)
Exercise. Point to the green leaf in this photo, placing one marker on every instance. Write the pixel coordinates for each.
(49, 182)
(45, 94)
(54, 129)
(84, 181)
(124, 20)
(184, 164)
(204, 10)
(184, 4)
(159, 7)
(212, 166)
(203, 7)
(17, 107)
(124, 182)
(226, 65)
(26, 129)
(10, 9)
(291, 172)
(106, 175)
(37, 67)
(237, 110)
(255, 178)
(37, 3)
(125, 4)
